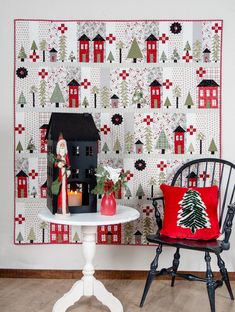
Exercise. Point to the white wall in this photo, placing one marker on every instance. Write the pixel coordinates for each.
(108, 257)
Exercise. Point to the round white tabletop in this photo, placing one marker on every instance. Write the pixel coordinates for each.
(124, 214)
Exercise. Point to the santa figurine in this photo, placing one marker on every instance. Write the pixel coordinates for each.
(62, 162)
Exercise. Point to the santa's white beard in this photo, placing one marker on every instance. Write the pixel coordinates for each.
(62, 152)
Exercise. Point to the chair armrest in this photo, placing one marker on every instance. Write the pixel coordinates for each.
(228, 222)
(157, 212)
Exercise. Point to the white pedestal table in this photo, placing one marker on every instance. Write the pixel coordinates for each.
(89, 285)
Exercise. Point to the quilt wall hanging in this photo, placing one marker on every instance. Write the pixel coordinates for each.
(154, 90)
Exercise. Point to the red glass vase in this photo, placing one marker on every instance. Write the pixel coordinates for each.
(108, 205)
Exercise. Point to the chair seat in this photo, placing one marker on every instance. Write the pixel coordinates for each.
(211, 246)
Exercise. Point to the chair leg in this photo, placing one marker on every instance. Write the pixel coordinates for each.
(225, 276)
(175, 265)
(210, 282)
(151, 273)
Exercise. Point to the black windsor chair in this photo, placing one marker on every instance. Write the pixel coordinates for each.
(222, 173)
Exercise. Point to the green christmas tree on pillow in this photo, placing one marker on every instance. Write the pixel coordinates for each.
(192, 213)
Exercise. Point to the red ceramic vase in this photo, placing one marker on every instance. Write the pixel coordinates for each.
(108, 205)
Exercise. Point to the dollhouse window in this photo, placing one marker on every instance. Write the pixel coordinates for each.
(75, 150)
(153, 92)
(74, 91)
(115, 228)
(207, 92)
(88, 173)
(109, 227)
(149, 46)
(71, 91)
(214, 92)
(53, 237)
(19, 182)
(177, 138)
(101, 46)
(53, 227)
(96, 46)
(82, 46)
(103, 238)
(201, 92)
(65, 237)
(102, 228)
(153, 46)
(157, 92)
(75, 173)
(89, 151)
(115, 238)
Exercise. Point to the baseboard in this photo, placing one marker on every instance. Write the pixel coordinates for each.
(100, 274)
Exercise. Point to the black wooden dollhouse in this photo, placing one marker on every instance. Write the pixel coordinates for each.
(81, 134)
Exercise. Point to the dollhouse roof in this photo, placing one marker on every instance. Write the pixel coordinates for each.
(74, 127)
(84, 38)
(208, 83)
(138, 142)
(151, 38)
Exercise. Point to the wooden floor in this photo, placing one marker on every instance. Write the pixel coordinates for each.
(39, 295)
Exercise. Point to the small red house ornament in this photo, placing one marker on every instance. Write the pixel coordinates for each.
(43, 140)
(98, 49)
(192, 179)
(208, 94)
(151, 48)
(22, 184)
(155, 94)
(73, 93)
(84, 49)
(179, 140)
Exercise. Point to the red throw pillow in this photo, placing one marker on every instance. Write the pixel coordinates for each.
(190, 213)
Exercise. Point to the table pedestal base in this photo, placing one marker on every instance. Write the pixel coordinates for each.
(88, 285)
